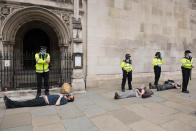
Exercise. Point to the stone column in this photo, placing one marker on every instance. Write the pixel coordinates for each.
(76, 9)
(78, 83)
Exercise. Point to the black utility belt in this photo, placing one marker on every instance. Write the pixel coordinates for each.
(183, 68)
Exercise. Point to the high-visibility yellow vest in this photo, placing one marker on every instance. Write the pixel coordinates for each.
(126, 66)
(157, 61)
(187, 63)
(41, 64)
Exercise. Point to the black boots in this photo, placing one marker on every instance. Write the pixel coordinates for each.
(152, 87)
(185, 91)
(158, 88)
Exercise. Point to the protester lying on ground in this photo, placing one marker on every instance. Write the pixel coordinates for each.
(142, 91)
(169, 84)
(39, 101)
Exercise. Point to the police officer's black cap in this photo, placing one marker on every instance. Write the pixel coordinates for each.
(127, 55)
(43, 47)
(187, 51)
(157, 53)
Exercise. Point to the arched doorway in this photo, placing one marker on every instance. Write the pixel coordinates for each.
(33, 39)
(23, 33)
(28, 40)
(31, 43)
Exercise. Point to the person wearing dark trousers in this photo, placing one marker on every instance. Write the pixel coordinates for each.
(42, 70)
(157, 62)
(126, 66)
(169, 84)
(187, 65)
(57, 100)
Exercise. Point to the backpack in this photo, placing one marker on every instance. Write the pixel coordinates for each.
(66, 88)
(148, 93)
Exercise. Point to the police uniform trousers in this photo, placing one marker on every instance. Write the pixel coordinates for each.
(185, 76)
(125, 76)
(157, 73)
(44, 75)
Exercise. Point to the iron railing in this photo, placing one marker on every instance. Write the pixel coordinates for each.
(18, 71)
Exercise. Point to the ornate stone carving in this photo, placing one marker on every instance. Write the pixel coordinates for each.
(15, 8)
(77, 74)
(76, 23)
(65, 1)
(66, 18)
(2, 18)
(5, 10)
(57, 12)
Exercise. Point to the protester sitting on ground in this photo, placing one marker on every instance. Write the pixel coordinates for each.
(142, 91)
(57, 100)
(169, 84)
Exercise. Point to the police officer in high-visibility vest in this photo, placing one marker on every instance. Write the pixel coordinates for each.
(187, 65)
(157, 62)
(126, 66)
(42, 69)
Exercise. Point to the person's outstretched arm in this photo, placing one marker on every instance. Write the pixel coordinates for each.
(139, 92)
(59, 100)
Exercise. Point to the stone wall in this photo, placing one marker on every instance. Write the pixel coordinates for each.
(138, 27)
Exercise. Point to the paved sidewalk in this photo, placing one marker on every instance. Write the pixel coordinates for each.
(97, 110)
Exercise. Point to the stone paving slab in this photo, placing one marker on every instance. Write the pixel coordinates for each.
(160, 109)
(69, 111)
(0, 122)
(2, 112)
(14, 120)
(107, 122)
(50, 127)
(156, 117)
(179, 107)
(89, 107)
(126, 116)
(45, 120)
(189, 119)
(43, 111)
(17, 110)
(97, 110)
(103, 103)
(176, 125)
(79, 124)
(20, 128)
(145, 125)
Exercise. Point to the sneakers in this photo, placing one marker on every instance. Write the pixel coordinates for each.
(7, 102)
(116, 96)
(185, 91)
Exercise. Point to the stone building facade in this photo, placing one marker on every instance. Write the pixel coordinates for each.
(138, 27)
(100, 32)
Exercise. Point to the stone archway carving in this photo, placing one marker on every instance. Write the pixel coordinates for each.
(14, 21)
